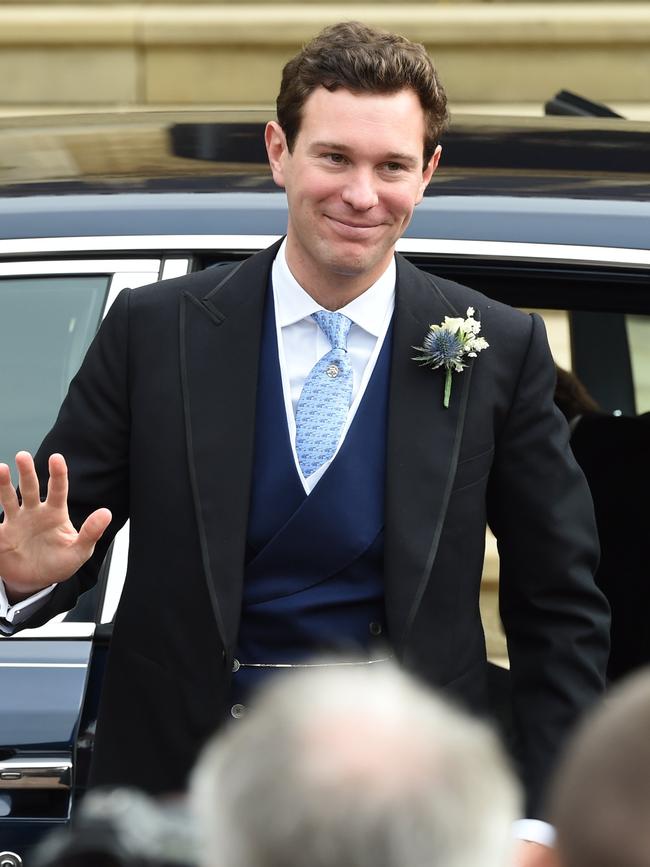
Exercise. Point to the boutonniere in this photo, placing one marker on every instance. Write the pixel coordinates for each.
(449, 344)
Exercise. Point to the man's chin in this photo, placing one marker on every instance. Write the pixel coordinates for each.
(355, 263)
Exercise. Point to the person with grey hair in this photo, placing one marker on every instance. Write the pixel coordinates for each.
(600, 798)
(354, 767)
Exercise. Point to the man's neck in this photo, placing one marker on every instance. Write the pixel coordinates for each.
(334, 300)
(334, 290)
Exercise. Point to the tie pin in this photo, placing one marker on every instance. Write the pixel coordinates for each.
(332, 371)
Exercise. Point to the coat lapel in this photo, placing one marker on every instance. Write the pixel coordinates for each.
(422, 451)
(219, 344)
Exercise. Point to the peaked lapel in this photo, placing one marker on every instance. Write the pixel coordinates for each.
(220, 334)
(422, 450)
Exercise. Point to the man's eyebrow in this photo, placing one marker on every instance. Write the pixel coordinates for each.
(329, 146)
(402, 158)
(387, 158)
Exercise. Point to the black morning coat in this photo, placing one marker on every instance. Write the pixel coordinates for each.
(158, 426)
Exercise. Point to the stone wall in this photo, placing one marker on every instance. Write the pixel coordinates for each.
(98, 53)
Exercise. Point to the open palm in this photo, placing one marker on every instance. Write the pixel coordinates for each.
(39, 545)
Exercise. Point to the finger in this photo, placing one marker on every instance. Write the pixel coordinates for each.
(92, 530)
(27, 480)
(8, 498)
(57, 485)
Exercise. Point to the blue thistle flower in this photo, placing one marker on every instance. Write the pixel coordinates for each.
(443, 347)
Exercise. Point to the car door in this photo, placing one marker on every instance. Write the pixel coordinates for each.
(50, 309)
(595, 301)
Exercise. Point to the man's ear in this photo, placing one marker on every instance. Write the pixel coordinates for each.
(429, 169)
(277, 150)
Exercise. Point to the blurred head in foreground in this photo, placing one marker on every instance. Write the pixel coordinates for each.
(354, 767)
(600, 800)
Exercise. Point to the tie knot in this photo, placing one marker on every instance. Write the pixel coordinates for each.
(335, 326)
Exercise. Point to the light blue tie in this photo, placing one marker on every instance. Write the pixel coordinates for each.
(325, 398)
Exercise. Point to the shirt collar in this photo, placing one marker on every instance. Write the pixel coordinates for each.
(368, 310)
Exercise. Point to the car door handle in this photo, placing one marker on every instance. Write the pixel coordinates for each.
(36, 772)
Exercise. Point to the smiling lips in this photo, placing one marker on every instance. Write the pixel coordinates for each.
(350, 229)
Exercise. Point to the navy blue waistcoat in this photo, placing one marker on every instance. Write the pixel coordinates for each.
(313, 582)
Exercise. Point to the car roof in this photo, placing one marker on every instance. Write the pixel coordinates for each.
(552, 180)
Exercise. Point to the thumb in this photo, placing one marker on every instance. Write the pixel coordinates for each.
(93, 528)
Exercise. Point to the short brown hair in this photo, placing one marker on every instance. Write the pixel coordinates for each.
(571, 395)
(362, 60)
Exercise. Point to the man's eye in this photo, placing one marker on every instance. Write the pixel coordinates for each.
(338, 159)
(393, 167)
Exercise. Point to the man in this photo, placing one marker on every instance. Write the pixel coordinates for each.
(600, 799)
(375, 770)
(256, 543)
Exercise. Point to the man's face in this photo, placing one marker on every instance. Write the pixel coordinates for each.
(352, 181)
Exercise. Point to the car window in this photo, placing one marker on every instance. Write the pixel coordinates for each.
(624, 374)
(558, 331)
(46, 325)
(638, 336)
(49, 313)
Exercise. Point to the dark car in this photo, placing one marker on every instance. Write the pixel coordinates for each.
(545, 213)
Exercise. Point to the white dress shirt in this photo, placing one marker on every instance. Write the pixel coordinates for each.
(301, 343)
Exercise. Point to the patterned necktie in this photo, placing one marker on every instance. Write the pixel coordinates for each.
(325, 398)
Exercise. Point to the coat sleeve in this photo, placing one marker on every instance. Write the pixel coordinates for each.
(92, 433)
(555, 619)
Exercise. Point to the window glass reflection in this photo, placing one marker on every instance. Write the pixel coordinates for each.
(46, 325)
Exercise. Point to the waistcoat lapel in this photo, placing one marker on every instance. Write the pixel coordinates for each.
(277, 490)
(422, 453)
(342, 516)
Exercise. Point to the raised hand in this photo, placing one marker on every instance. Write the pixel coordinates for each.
(38, 544)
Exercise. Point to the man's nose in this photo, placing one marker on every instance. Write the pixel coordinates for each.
(360, 191)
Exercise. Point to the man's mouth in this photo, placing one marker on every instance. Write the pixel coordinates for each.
(352, 226)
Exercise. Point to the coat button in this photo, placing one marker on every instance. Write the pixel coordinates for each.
(237, 711)
(236, 665)
(375, 628)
